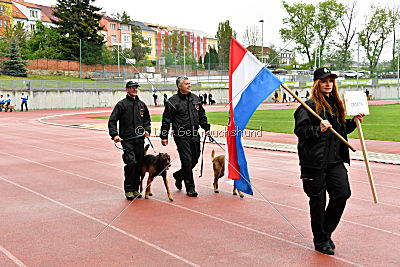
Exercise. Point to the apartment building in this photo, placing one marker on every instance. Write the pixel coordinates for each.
(116, 33)
(6, 16)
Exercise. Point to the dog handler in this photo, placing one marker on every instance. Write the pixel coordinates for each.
(134, 126)
(185, 111)
(322, 156)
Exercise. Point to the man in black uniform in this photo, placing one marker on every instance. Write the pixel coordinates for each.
(134, 126)
(185, 111)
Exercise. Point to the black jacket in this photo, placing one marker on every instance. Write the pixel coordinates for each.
(133, 117)
(313, 146)
(186, 113)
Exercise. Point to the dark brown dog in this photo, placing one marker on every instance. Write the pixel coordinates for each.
(219, 170)
(155, 166)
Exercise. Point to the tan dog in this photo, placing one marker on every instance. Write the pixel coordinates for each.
(219, 170)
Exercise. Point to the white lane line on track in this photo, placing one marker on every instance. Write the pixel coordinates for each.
(11, 256)
(177, 206)
(103, 223)
(210, 216)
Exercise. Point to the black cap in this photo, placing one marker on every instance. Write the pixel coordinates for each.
(321, 73)
(131, 84)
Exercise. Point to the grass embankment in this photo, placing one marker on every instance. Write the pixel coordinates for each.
(383, 123)
(43, 77)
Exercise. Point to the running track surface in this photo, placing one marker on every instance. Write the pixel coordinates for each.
(61, 186)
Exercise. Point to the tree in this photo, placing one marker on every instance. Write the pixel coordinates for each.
(342, 57)
(124, 17)
(299, 26)
(18, 33)
(273, 55)
(44, 43)
(327, 19)
(212, 58)
(223, 35)
(396, 19)
(251, 37)
(78, 20)
(14, 66)
(375, 33)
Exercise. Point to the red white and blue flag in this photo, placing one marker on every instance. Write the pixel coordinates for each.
(250, 83)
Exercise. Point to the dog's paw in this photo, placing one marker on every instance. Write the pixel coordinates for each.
(234, 193)
(216, 191)
(242, 196)
(146, 197)
(171, 199)
(150, 194)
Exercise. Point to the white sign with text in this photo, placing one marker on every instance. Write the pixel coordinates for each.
(355, 103)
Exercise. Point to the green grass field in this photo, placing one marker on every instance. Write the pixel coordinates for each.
(383, 123)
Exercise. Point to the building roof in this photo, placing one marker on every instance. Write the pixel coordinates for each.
(6, 1)
(22, 2)
(47, 11)
(142, 26)
(110, 19)
(17, 13)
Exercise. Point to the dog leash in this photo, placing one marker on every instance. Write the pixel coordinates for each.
(202, 152)
(130, 138)
(148, 139)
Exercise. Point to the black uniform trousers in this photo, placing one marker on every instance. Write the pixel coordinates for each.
(333, 179)
(26, 105)
(133, 158)
(189, 153)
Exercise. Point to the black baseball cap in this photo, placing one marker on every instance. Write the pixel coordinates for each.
(321, 73)
(132, 84)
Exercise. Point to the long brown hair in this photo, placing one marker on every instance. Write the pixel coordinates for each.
(321, 104)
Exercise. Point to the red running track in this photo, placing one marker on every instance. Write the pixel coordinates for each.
(59, 187)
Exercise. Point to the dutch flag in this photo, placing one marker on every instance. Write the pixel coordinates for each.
(250, 83)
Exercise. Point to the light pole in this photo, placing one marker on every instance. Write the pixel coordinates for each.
(358, 57)
(262, 40)
(398, 73)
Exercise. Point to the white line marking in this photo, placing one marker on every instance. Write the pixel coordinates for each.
(11, 256)
(103, 223)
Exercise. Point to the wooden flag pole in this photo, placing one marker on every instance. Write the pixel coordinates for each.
(319, 117)
(364, 150)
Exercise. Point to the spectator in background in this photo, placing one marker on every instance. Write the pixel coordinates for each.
(205, 99)
(210, 100)
(2, 102)
(367, 93)
(155, 98)
(201, 98)
(7, 102)
(297, 94)
(276, 97)
(307, 94)
(284, 98)
(24, 99)
(165, 99)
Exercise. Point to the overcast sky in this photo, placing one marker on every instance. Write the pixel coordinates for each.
(206, 14)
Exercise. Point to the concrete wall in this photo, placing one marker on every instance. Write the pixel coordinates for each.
(71, 99)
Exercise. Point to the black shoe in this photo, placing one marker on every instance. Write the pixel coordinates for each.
(192, 194)
(332, 244)
(129, 196)
(325, 248)
(136, 194)
(178, 181)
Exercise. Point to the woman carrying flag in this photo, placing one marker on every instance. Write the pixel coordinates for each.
(322, 156)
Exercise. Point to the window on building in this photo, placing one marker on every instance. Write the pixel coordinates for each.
(126, 39)
(33, 13)
(2, 9)
(113, 26)
(33, 27)
(5, 24)
(149, 39)
(1, 23)
(113, 38)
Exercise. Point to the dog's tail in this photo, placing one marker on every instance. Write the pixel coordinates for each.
(212, 154)
(146, 148)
